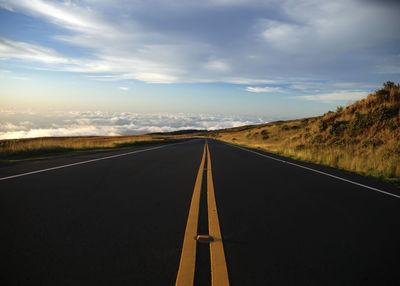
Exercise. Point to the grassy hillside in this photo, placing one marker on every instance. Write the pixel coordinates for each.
(363, 137)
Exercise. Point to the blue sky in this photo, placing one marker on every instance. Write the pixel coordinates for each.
(260, 59)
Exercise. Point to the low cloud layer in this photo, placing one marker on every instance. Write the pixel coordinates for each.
(28, 125)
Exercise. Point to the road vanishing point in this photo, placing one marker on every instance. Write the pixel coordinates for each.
(196, 212)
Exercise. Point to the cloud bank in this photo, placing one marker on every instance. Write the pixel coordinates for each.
(28, 125)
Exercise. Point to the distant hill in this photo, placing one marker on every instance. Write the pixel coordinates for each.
(363, 137)
(179, 132)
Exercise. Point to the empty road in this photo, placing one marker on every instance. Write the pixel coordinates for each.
(130, 217)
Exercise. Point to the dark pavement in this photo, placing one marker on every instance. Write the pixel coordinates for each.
(122, 221)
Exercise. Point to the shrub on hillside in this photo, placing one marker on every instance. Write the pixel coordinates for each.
(265, 134)
(360, 122)
(338, 127)
(322, 125)
(384, 112)
(285, 128)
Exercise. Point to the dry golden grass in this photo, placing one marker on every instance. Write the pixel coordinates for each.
(23, 148)
(363, 137)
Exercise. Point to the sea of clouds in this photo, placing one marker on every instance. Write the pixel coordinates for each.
(30, 124)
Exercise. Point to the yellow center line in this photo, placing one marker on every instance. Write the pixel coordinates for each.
(188, 257)
(219, 272)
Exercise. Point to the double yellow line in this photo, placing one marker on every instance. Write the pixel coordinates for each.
(219, 272)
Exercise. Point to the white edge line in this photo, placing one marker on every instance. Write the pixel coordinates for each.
(85, 162)
(320, 172)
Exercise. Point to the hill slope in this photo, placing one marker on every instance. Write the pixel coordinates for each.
(363, 137)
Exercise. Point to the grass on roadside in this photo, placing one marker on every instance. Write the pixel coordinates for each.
(363, 137)
(20, 149)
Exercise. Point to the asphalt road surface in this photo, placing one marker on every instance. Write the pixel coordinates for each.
(122, 220)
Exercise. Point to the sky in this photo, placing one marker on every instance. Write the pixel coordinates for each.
(110, 67)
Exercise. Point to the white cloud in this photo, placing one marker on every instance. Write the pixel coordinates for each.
(266, 89)
(229, 2)
(336, 96)
(112, 123)
(123, 88)
(238, 80)
(283, 35)
(65, 13)
(119, 68)
(327, 87)
(25, 51)
(49, 132)
(217, 65)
